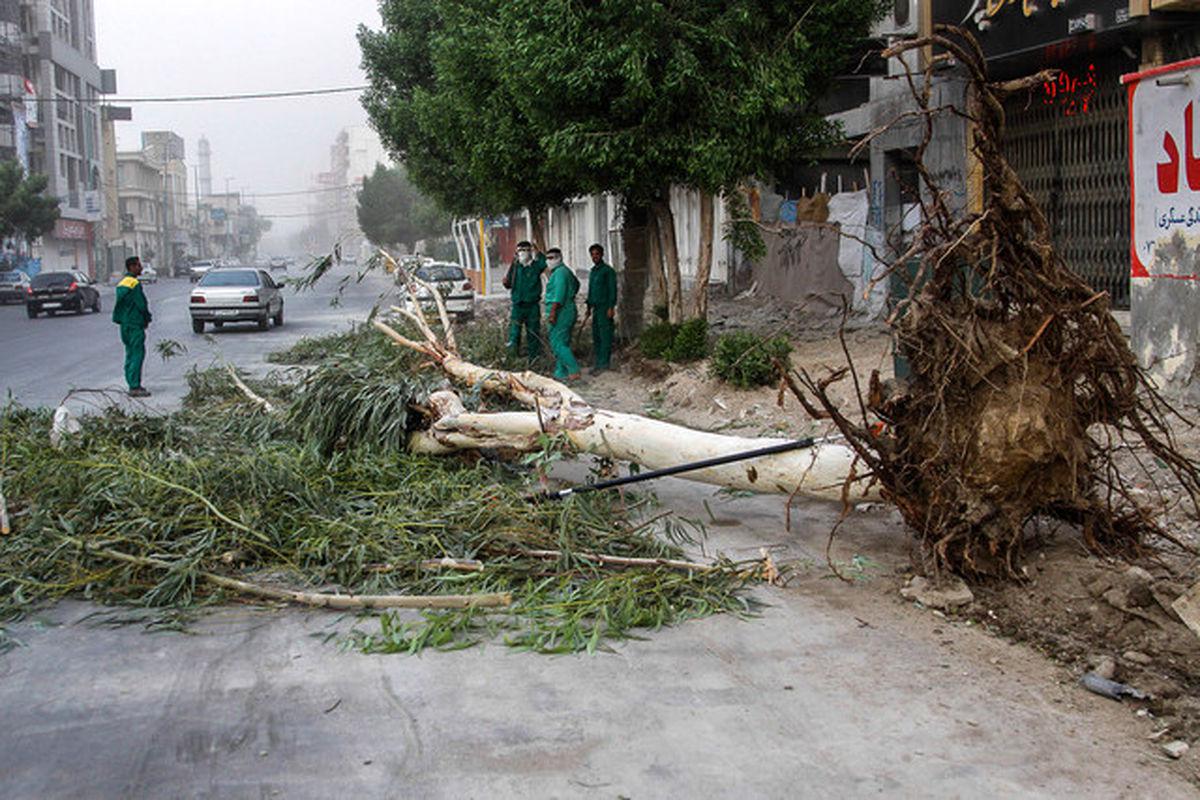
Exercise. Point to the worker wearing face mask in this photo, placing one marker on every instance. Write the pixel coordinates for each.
(561, 314)
(524, 282)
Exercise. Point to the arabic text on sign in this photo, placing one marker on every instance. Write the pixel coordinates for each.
(1168, 171)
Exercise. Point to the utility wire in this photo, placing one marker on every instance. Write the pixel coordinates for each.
(198, 98)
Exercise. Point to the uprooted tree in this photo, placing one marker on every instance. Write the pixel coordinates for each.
(1023, 387)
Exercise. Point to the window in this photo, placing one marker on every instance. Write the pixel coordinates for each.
(60, 22)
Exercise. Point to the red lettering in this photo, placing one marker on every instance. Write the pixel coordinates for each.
(1193, 163)
(1168, 173)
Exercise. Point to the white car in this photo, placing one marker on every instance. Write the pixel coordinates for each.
(149, 275)
(236, 294)
(201, 268)
(453, 284)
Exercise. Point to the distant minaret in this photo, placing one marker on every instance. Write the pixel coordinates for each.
(204, 153)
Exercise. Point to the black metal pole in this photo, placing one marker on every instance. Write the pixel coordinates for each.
(716, 461)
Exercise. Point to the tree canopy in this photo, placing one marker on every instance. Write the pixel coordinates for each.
(25, 208)
(393, 211)
(496, 105)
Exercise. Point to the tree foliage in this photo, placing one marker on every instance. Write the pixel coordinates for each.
(496, 105)
(393, 211)
(251, 227)
(25, 208)
(440, 105)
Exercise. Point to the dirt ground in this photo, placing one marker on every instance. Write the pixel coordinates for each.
(1079, 610)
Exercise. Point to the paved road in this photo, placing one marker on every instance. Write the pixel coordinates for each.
(42, 359)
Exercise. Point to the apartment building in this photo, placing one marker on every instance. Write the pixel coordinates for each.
(59, 64)
(152, 199)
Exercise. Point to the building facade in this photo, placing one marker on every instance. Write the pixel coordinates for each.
(152, 201)
(59, 61)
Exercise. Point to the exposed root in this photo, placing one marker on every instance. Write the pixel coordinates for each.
(1020, 376)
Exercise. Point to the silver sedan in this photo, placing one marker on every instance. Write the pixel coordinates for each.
(236, 294)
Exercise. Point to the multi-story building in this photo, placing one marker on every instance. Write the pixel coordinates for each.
(58, 40)
(166, 149)
(352, 159)
(152, 198)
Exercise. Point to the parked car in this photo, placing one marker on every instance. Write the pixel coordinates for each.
(13, 286)
(452, 283)
(52, 292)
(200, 268)
(236, 295)
(149, 275)
(278, 262)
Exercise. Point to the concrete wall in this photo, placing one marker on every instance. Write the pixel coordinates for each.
(1165, 319)
(802, 266)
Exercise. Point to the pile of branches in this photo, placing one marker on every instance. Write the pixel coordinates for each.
(1023, 387)
(250, 494)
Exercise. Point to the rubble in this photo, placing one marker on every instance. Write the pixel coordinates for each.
(946, 595)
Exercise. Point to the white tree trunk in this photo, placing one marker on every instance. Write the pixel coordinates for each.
(818, 471)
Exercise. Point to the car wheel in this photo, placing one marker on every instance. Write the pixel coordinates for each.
(197, 326)
(79, 306)
(278, 318)
(31, 312)
(96, 305)
(264, 323)
(218, 325)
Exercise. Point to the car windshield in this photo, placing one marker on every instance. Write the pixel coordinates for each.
(10, 277)
(48, 279)
(440, 273)
(230, 277)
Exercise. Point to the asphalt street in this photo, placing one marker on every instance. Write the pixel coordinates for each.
(42, 359)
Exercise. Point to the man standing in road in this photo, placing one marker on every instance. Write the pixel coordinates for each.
(561, 314)
(524, 281)
(132, 313)
(602, 305)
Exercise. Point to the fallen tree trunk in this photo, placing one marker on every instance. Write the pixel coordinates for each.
(819, 471)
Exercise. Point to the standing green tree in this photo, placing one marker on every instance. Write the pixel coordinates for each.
(439, 100)
(26, 211)
(393, 211)
(626, 96)
(251, 227)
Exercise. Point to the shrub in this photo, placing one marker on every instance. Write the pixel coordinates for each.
(691, 341)
(747, 360)
(656, 340)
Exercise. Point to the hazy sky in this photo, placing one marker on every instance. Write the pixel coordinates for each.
(189, 47)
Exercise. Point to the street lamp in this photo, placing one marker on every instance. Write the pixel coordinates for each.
(228, 221)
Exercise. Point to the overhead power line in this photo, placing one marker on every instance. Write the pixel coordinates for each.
(199, 98)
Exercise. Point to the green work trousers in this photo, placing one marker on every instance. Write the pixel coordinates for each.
(565, 364)
(525, 315)
(602, 338)
(134, 339)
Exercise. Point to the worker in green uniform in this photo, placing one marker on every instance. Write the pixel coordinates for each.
(561, 314)
(602, 306)
(132, 313)
(524, 282)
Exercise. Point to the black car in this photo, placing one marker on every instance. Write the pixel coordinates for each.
(61, 291)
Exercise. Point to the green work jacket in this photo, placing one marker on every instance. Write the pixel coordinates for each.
(131, 309)
(562, 287)
(602, 287)
(526, 280)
